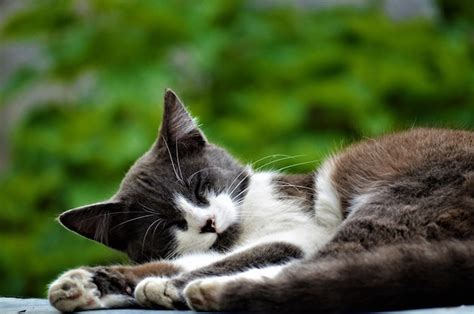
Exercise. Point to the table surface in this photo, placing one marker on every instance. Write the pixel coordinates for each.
(16, 305)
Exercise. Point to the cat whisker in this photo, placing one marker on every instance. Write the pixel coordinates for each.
(297, 164)
(172, 162)
(133, 219)
(254, 163)
(259, 160)
(156, 227)
(147, 209)
(260, 167)
(172, 255)
(238, 184)
(177, 160)
(114, 213)
(195, 173)
(278, 160)
(146, 233)
(231, 188)
(235, 198)
(297, 187)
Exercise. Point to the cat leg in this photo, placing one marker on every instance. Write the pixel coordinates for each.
(153, 292)
(393, 277)
(205, 294)
(103, 286)
(76, 290)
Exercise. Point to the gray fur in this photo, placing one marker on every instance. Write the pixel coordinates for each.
(409, 245)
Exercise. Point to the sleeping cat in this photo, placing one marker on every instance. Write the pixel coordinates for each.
(385, 224)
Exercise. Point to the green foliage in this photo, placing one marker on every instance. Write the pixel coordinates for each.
(262, 81)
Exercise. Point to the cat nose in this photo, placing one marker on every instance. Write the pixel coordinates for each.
(210, 226)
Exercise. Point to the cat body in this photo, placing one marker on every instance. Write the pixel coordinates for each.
(387, 223)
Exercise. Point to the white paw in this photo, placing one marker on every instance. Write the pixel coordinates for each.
(156, 291)
(74, 290)
(204, 294)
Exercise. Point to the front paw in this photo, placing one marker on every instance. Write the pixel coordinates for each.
(205, 294)
(158, 292)
(78, 290)
(75, 290)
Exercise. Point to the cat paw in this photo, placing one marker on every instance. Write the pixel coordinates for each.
(157, 292)
(74, 290)
(204, 294)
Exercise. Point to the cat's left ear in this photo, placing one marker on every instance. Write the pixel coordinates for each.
(100, 222)
(178, 127)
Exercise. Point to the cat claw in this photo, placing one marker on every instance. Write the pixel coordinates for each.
(74, 290)
(156, 292)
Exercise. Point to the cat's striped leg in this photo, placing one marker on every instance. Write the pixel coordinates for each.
(392, 277)
(102, 287)
(168, 292)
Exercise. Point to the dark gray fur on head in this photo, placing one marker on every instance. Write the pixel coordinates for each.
(140, 218)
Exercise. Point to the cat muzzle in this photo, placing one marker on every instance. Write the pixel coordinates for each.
(209, 227)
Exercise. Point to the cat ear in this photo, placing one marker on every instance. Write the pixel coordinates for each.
(178, 127)
(97, 222)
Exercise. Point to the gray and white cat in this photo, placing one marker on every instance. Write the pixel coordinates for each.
(385, 224)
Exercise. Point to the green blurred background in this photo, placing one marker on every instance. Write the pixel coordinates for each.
(81, 88)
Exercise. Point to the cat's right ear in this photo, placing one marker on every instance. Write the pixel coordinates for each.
(97, 222)
(178, 128)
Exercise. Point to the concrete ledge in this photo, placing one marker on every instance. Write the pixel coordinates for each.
(16, 305)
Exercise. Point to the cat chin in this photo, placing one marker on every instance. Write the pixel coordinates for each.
(192, 241)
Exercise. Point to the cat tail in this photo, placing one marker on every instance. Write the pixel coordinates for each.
(394, 277)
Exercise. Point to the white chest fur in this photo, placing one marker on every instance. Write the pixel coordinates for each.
(267, 217)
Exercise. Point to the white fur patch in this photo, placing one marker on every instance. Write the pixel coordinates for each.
(327, 208)
(360, 201)
(197, 260)
(257, 274)
(192, 241)
(266, 218)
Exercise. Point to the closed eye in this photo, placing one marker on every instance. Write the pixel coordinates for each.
(201, 190)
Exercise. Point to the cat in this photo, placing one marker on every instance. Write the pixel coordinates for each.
(385, 224)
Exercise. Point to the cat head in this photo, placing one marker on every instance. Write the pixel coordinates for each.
(181, 196)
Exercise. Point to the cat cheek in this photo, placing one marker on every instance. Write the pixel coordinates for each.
(224, 218)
